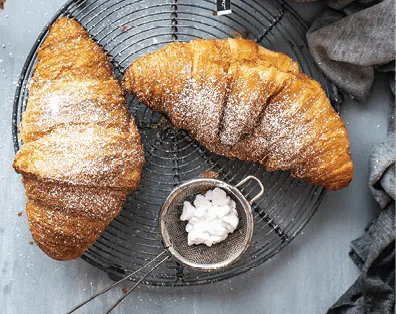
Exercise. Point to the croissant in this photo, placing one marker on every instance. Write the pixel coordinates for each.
(243, 101)
(81, 151)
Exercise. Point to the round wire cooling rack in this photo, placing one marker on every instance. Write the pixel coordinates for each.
(127, 29)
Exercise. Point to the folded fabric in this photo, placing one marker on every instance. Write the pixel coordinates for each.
(348, 45)
(382, 167)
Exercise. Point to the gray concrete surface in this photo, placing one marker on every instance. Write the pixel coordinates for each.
(305, 278)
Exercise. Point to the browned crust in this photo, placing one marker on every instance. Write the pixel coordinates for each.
(82, 152)
(243, 101)
(2, 5)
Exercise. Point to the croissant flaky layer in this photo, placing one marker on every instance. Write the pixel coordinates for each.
(82, 152)
(243, 101)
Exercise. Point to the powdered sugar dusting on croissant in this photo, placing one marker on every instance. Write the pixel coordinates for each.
(81, 150)
(243, 101)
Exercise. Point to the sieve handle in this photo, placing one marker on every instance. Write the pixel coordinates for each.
(138, 282)
(148, 272)
(259, 183)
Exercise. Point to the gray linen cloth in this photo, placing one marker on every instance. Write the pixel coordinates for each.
(348, 45)
(349, 40)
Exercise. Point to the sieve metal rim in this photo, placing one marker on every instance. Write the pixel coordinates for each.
(164, 235)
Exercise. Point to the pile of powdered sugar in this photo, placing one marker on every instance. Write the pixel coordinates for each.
(212, 217)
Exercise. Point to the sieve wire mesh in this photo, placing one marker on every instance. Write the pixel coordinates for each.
(174, 236)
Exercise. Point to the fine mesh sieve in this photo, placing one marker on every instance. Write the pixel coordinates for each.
(174, 236)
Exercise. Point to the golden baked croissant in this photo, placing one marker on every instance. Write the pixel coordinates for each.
(81, 150)
(241, 100)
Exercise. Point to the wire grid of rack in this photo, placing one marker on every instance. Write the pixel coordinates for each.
(127, 29)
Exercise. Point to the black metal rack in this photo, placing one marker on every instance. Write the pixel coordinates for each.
(127, 29)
